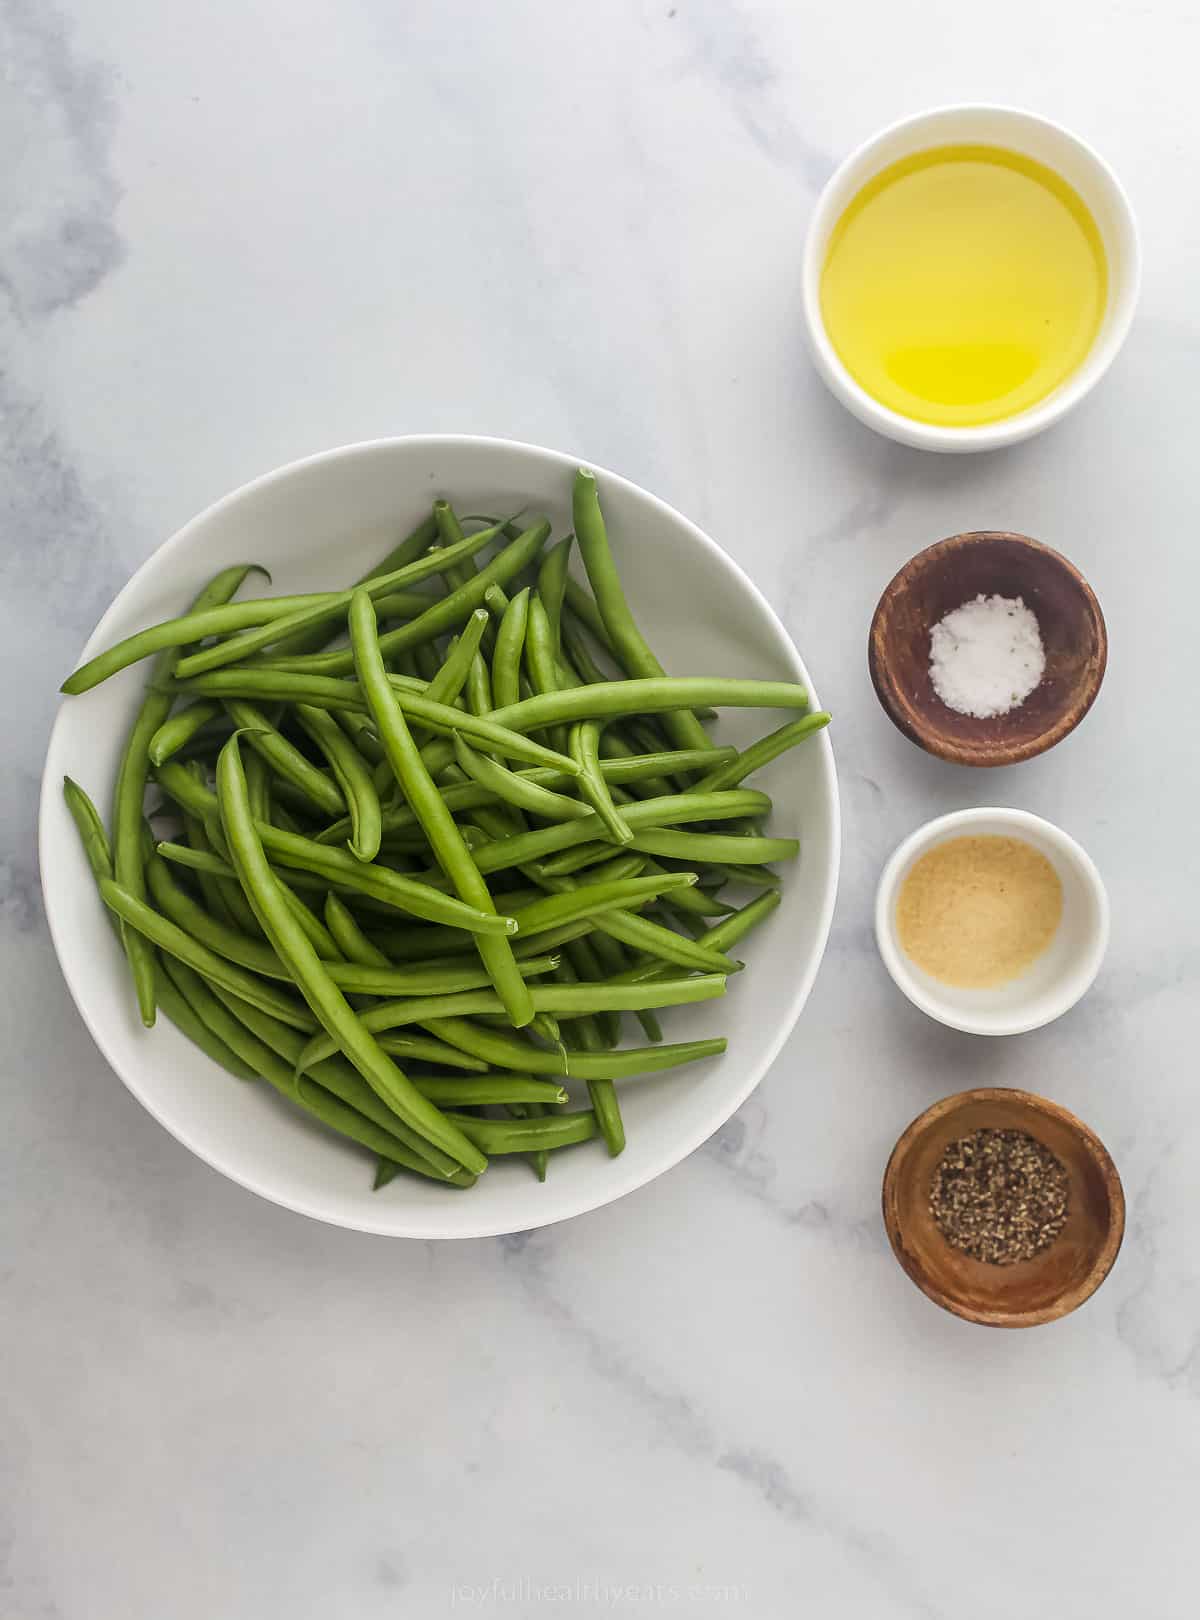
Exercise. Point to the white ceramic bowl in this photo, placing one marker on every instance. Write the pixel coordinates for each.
(1055, 982)
(1020, 132)
(325, 520)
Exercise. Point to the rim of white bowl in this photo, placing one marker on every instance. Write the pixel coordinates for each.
(1076, 983)
(680, 1150)
(1010, 430)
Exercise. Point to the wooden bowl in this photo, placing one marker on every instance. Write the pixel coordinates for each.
(942, 578)
(1028, 1292)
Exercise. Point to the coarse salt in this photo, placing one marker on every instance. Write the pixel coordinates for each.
(986, 657)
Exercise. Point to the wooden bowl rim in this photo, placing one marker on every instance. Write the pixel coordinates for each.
(909, 720)
(1072, 1297)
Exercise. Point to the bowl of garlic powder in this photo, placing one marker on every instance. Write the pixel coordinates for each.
(992, 920)
(987, 648)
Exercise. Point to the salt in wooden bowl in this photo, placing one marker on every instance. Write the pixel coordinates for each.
(988, 562)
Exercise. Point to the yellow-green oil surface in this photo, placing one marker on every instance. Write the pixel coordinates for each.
(964, 284)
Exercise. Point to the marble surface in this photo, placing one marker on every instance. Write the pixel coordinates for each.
(234, 233)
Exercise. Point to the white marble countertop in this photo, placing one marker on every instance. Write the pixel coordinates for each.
(234, 233)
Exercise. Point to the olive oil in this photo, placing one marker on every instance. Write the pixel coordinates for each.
(964, 284)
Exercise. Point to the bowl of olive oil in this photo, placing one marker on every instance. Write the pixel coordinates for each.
(969, 276)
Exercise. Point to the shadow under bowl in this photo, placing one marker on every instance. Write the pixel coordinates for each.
(1029, 1292)
(941, 578)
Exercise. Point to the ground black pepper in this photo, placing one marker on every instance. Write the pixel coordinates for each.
(999, 1196)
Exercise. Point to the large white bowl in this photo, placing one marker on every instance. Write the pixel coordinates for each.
(325, 520)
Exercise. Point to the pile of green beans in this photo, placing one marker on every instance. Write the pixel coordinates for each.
(414, 880)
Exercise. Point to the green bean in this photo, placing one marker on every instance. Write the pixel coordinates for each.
(443, 615)
(399, 606)
(583, 1030)
(200, 621)
(283, 818)
(644, 935)
(428, 941)
(588, 971)
(258, 785)
(91, 829)
(613, 963)
(602, 1094)
(520, 1135)
(478, 690)
(496, 602)
(454, 571)
(438, 824)
(639, 697)
(727, 933)
(568, 999)
(508, 1052)
(240, 647)
(698, 901)
(582, 604)
(178, 729)
(539, 1158)
(427, 661)
(321, 940)
(342, 870)
(353, 778)
(510, 645)
(594, 899)
(426, 979)
(406, 551)
(552, 585)
(353, 943)
(627, 864)
(573, 860)
(261, 682)
(763, 752)
(424, 1049)
(615, 745)
(510, 788)
(358, 728)
(584, 747)
(627, 640)
(543, 1025)
(755, 877)
(649, 813)
(579, 654)
(336, 1076)
(284, 758)
(312, 978)
(212, 931)
(132, 773)
(598, 1033)
(455, 671)
(168, 936)
(99, 858)
(488, 1090)
(300, 805)
(540, 651)
(700, 847)
(196, 859)
(218, 884)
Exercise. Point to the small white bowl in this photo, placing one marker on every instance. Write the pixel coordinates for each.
(1017, 131)
(328, 518)
(1064, 971)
